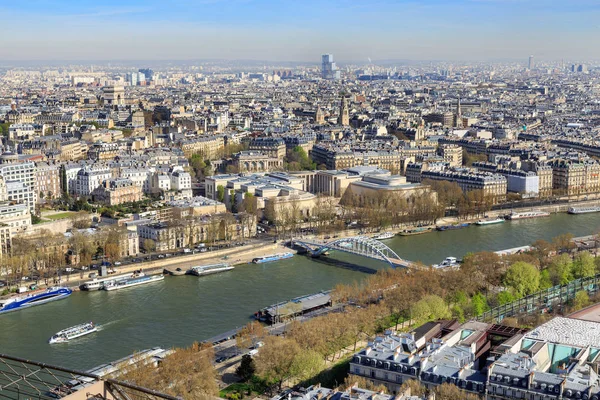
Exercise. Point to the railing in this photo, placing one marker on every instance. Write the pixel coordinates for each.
(25, 379)
(544, 300)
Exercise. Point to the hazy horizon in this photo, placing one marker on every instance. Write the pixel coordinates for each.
(259, 30)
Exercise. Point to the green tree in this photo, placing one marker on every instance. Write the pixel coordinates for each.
(581, 300)
(523, 278)
(430, 308)
(307, 364)
(249, 203)
(220, 193)
(275, 361)
(298, 160)
(246, 368)
(560, 270)
(545, 280)
(583, 265)
(505, 297)
(479, 304)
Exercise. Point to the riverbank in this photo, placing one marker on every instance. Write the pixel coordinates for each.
(235, 256)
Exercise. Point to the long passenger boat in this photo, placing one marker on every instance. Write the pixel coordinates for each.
(137, 279)
(209, 269)
(33, 299)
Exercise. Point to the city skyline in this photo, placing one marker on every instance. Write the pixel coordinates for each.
(256, 30)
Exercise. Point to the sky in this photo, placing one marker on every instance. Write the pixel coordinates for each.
(286, 30)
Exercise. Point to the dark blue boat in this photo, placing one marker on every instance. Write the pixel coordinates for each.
(34, 299)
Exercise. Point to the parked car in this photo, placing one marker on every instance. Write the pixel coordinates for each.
(92, 275)
(117, 264)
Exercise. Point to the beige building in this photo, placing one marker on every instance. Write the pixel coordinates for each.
(272, 147)
(333, 183)
(251, 161)
(5, 240)
(376, 185)
(16, 216)
(187, 233)
(574, 178)
(73, 150)
(103, 151)
(47, 181)
(209, 146)
(452, 154)
(117, 191)
(492, 185)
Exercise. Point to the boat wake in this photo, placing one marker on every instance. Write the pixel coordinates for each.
(106, 325)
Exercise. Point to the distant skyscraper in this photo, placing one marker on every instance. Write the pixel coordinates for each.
(531, 62)
(344, 118)
(148, 73)
(329, 70)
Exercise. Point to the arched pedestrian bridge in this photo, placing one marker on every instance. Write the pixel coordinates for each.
(358, 245)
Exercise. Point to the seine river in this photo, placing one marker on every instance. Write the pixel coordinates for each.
(180, 310)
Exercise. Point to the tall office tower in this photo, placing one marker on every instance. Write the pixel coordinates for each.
(329, 70)
(531, 62)
(148, 73)
(344, 118)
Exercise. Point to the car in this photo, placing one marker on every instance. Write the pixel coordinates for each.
(25, 278)
(253, 352)
(117, 264)
(168, 255)
(220, 360)
(161, 256)
(84, 268)
(203, 250)
(92, 275)
(94, 266)
(69, 269)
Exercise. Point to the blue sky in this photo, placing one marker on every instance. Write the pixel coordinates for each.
(286, 30)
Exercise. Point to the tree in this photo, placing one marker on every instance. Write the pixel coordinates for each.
(581, 300)
(563, 242)
(416, 388)
(479, 304)
(560, 270)
(583, 266)
(298, 160)
(187, 373)
(246, 368)
(505, 297)
(250, 334)
(275, 361)
(249, 203)
(524, 278)
(448, 391)
(430, 308)
(149, 245)
(220, 193)
(306, 364)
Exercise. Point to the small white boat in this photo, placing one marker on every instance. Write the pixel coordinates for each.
(448, 263)
(527, 214)
(98, 283)
(490, 221)
(272, 257)
(384, 235)
(74, 332)
(137, 279)
(583, 210)
(209, 269)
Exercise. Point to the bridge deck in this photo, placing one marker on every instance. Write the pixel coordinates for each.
(317, 247)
